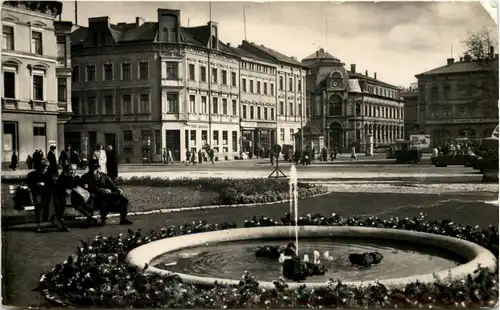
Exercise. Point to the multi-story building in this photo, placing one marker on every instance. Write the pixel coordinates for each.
(460, 99)
(36, 65)
(145, 86)
(290, 92)
(412, 114)
(258, 102)
(348, 107)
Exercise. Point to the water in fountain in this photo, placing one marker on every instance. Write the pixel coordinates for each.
(294, 201)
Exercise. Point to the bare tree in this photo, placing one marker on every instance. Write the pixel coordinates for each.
(479, 48)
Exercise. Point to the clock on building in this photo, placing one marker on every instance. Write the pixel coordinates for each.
(336, 83)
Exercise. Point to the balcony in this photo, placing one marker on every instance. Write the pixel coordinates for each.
(195, 117)
(38, 105)
(225, 118)
(63, 62)
(10, 104)
(62, 106)
(170, 116)
(174, 83)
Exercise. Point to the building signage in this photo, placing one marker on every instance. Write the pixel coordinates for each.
(423, 140)
(249, 124)
(200, 126)
(266, 125)
(52, 142)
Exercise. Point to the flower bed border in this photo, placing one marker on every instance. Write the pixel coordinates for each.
(469, 292)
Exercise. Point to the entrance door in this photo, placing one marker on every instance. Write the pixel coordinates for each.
(92, 141)
(174, 143)
(335, 135)
(110, 139)
(40, 137)
(9, 139)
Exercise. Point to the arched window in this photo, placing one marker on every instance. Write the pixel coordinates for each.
(335, 106)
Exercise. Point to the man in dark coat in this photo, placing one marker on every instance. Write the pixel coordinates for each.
(51, 157)
(65, 157)
(41, 184)
(13, 161)
(108, 198)
(111, 163)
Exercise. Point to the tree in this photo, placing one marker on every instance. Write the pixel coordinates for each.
(478, 49)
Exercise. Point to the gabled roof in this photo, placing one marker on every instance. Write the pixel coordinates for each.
(276, 55)
(456, 68)
(321, 54)
(360, 76)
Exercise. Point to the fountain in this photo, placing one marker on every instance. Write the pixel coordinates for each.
(203, 257)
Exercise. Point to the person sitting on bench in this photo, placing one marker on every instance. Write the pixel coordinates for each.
(107, 197)
(41, 184)
(69, 192)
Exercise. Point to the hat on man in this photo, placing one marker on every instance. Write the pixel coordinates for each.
(94, 164)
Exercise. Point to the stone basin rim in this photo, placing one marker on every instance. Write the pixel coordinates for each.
(473, 253)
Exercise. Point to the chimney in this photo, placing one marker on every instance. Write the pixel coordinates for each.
(366, 72)
(450, 61)
(375, 75)
(321, 50)
(139, 21)
(353, 68)
(492, 52)
(317, 54)
(228, 44)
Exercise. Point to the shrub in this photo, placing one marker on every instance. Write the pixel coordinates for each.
(99, 276)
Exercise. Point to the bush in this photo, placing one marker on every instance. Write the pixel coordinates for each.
(99, 276)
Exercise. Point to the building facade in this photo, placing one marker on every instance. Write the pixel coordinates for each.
(349, 107)
(460, 99)
(412, 114)
(146, 86)
(290, 91)
(36, 67)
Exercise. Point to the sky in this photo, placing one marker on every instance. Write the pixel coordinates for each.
(395, 39)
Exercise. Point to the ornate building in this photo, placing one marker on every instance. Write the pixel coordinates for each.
(36, 68)
(348, 107)
(146, 86)
(460, 99)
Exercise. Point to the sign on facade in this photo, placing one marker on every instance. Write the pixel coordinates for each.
(424, 140)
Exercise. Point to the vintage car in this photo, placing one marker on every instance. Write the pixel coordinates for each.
(455, 159)
(406, 152)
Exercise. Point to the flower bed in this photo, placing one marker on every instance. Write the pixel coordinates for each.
(99, 276)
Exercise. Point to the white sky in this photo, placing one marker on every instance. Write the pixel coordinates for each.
(395, 39)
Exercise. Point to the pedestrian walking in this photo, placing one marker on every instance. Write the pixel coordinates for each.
(100, 156)
(51, 157)
(188, 156)
(353, 153)
(65, 157)
(193, 156)
(165, 156)
(13, 161)
(200, 156)
(170, 157)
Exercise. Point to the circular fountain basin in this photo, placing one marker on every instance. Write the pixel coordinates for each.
(198, 257)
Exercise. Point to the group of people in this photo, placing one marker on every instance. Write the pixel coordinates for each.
(203, 154)
(52, 192)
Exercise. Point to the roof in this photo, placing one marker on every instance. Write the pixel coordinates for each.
(360, 76)
(354, 86)
(455, 68)
(321, 54)
(274, 54)
(410, 94)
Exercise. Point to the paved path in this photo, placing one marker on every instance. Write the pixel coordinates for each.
(27, 255)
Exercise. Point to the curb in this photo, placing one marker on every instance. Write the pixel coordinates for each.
(185, 209)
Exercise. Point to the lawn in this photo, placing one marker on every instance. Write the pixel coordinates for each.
(141, 198)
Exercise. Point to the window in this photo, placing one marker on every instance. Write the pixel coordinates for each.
(299, 86)
(290, 84)
(75, 105)
(259, 112)
(235, 141)
(91, 106)
(38, 87)
(282, 134)
(233, 78)
(172, 103)
(144, 103)
(157, 142)
(265, 88)
(251, 86)
(258, 87)
(143, 70)
(272, 114)
(127, 136)
(215, 134)
(191, 72)
(126, 72)
(214, 75)
(224, 106)
(75, 74)
(265, 114)
(290, 109)
(36, 43)
(192, 103)
(108, 72)
(358, 109)
(203, 74)
(109, 106)
(224, 137)
(234, 107)
(204, 109)
(127, 103)
(62, 90)
(224, 77)
(281, 83)
(244, 84)
(90, 73)
(61, 46)
(39, 129)
(215, 105)
(282, 108)
(172, 70)
(299, 108)
(8, 38)
(9, 84)
(204, 137)
(252, 113)
(244, 111)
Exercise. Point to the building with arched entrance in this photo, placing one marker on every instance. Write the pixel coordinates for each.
(349, 107)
